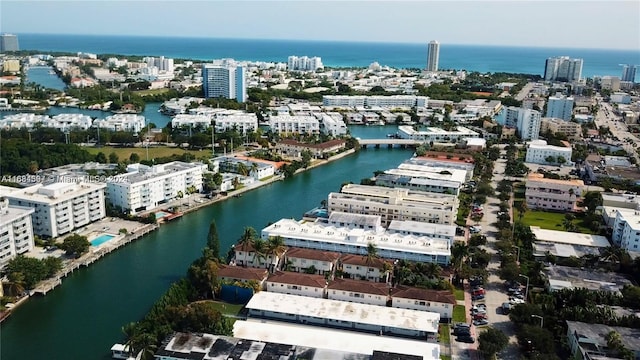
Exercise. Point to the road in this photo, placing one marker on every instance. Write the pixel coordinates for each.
(619, 129)
(525, 91)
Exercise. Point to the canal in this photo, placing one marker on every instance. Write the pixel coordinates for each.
(82, 318)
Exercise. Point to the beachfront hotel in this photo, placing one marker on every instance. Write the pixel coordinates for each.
(16, 231)
(332, 237)
(394, 204)
(147, 187)
(553, 194)
(226, 79)
(61, 207)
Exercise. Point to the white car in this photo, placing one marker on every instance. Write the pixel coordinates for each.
(516, 301)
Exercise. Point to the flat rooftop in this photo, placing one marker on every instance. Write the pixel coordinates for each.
(12, 213)
(418, 227)
(337, 217)
(540, 178)
(630, 337)
(445, 174)
(407, 180)
(338, 340)
(405, 194)
(572, 238)
(541, 248)
(55, 192)
(291, 229)
(588, 279)
(345, 311)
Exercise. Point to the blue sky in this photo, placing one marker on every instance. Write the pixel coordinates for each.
(568, 24)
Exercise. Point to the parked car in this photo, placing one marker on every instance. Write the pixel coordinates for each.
(515, 301)
(466, 339)
(476, 281)
(481, 322)
(477, 297)
(506, 307)
(477, 292)
(479, 316)
(475, 229)
(479, 307)
(462, 331)
(478, 311)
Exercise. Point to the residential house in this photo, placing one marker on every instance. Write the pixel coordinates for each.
(241, 274)
(297, 284)
(357, 267)
(438, 301)
(301, 260)
(358, 291)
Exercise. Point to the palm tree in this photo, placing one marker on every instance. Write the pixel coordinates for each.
(130, 332)
(242, 169)
(432, 270)
(245, 243)
(16, 284)
(275, 249)
(371, 256)
(522, 209)
(259, 250)
(459, 252)
(254, 169)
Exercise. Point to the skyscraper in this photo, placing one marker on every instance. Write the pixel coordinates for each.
(224, 79)
(8, 42)
(433, 56)
(526, 121)
(628, 73)
(563, 68)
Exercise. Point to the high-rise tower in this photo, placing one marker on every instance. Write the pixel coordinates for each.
(8, 42)
(628, 73)
(433, 56)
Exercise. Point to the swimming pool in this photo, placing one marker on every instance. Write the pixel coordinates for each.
(161, 214)
(101, 239)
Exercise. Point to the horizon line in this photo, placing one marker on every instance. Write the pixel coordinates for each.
(328, 41)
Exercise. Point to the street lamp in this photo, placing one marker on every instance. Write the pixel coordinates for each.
(526, 292)
(518, 257)
(541, 319)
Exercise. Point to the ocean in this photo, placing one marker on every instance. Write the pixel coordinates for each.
(528, 60)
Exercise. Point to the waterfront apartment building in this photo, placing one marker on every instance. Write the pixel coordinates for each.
(538, 152)
(446, 161)
(626, 229)
(61, 122)
(332, 124)
(526, 121)
(351, 316)
(442, 182)
(391, 101)
(553, 194)
(191, 121)
(328, 237)
(394, 204)
(296, 124)
(163, 64)
(563, 68)
(226, 79)
(436, 135)
(8, 42)
(294, 148)
(572, 130)
(122, 122)
(433, 55)
(255, 169)
(560, 106)
(243, 122)
(147, 187)
(16, 231)
(304, 63)
(61, 207)
(628, 73)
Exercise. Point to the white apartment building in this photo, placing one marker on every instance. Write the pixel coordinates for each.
(626, 229)
(61, 122)
(22, 120)
(572, 130)
(538, 152)
(147, 187)
(563, 68)
(436, 135)
(304, 63)
(437, 301)
(300, 260)
(553, 194)
(191, 121)
(560, 106)
(391, 101)
(121, 122)
(61, 207)
(226, 79)
(332, 124)
(244, 123)
(418, 183)
(162, 63)
(292, 283)
(298, 124)
(16, 231)
(394, 204)
(526, 121)
(418, 228)
(255, 169)
(461, 163)
(355, 241)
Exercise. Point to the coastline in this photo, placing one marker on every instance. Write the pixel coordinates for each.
(87, 259)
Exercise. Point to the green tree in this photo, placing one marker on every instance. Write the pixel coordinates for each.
(52, 265)
(113, 158)
(275, 248)
(16, 283)
(75, 245)
(101, 158)
(306, 156)
(492, 341)
(371, 256)
(134, 158)
(213, 240)
(26, 271)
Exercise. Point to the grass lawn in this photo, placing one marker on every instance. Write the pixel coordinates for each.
(226, 308)
(151, 92)
(459, 313)
(551, 221)
(459, 294)
(154, 152)
(444, 334)
(445, 357)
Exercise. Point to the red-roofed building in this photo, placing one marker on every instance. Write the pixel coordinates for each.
(245, 255)
(242, 274)
(359, 291)
(300, 260)
(438, 301)
(294, 148)
(356, 267)
(292, 283)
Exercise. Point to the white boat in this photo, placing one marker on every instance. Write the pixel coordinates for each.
(119, 351)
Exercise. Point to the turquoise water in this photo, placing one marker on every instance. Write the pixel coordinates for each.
(101, 239)
(44, 77)
(528, 60)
